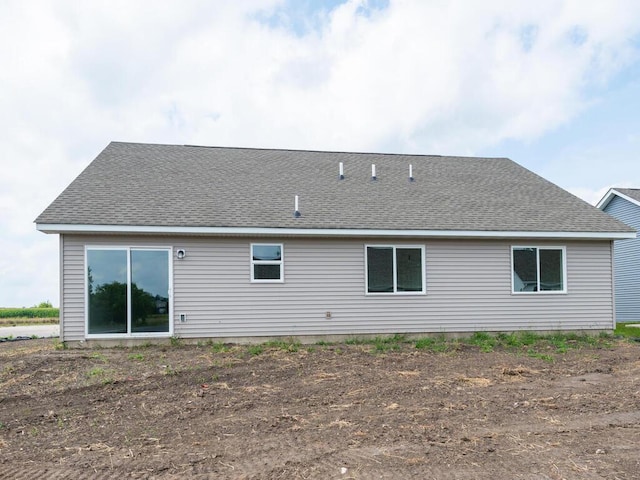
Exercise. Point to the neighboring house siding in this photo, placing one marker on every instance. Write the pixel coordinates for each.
(626, 262)
(468, 286)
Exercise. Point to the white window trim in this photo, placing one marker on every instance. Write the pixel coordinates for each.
(253, 262)
(538, 248)
(128, 249)
(395, 279)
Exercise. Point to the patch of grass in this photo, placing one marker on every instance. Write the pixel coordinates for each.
(542, 356)
(136, 356)
(58, 345)
(175, 341)
(16, 321)
(383, 344)
(98, 356)
(625, 331)
(29, 312)
(561, 342)
(508, 339)
(438, 344)
(219, 347)
(96, 371)
(255, 349)
(483, 340)
(530, 342)
(356, 341)
(527, 338)
(324, 343)
(380, 344)
(289, 345)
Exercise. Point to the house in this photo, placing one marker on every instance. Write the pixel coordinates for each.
(243, 244)
(624, 205)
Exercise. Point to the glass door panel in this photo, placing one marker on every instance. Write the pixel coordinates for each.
(107, 291)
(149, 291)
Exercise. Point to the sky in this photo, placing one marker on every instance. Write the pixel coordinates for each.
(553, 85)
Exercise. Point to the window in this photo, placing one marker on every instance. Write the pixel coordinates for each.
(127, 291)
(266, 262)
(538, 269)
(391, 269)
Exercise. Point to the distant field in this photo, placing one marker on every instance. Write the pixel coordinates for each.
(31, 316)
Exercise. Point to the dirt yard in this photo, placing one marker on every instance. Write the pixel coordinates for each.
(327, 412)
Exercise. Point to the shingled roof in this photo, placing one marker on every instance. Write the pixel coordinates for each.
(171, 186)
(630, 194)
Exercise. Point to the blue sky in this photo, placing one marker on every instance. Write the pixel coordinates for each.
(554, 85)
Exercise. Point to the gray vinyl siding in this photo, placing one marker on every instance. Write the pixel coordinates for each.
(626, 262)
(468, 285)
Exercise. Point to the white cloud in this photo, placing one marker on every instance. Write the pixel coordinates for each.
(423, 77)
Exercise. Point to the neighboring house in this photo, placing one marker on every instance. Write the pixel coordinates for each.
(238, 243)
(624, 205)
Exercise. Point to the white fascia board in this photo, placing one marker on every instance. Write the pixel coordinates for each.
(325, 232)
(606, 199)
(602, 204)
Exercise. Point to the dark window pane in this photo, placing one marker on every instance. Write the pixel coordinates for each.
(266, 272)
(551, 270)
(149, 291)
(409, 269)
(525, 276)
(379, 269)
(107, 287)
(267, 252)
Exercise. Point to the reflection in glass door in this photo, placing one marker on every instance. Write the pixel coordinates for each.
(107, 291)
(128, 291)
(149, 291)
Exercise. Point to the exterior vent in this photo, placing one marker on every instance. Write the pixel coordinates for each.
(296, 211)
(411, 179)
(373, 172)
(341, 174)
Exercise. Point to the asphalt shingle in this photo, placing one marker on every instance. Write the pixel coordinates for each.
(630, 192)
(191, 186)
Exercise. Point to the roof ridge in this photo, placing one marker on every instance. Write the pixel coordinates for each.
(311, 151)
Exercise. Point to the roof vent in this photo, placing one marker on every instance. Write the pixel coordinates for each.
(341, 174)
(373, 172)
(411, 179)
(296, 212)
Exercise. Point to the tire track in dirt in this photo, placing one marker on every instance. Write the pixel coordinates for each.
(39, 472)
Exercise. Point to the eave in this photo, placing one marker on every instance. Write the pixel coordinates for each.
(325, 232)
(602, 204)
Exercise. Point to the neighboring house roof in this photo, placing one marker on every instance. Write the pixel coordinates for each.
(133, 187)
(630, 194)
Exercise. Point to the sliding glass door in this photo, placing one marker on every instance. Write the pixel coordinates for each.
(128, 291)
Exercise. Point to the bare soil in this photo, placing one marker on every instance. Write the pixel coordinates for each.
(329, 412)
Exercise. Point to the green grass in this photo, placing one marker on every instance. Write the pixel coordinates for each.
(439, 344)
(623, 330)
(29, 312)
(529, 343)
(483, 340)
(219, 347)
(255, 349)
(98, 356)
(288, 345)
(380, 344)
(542, 356)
